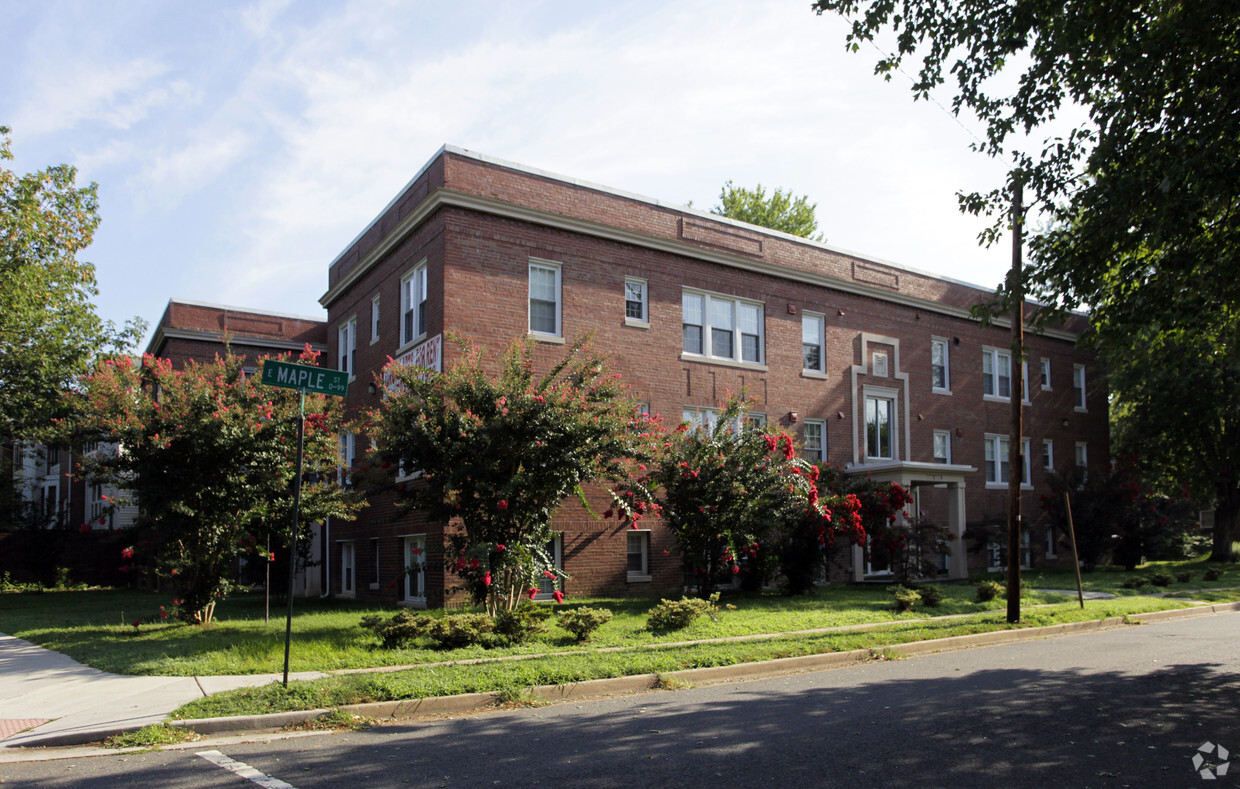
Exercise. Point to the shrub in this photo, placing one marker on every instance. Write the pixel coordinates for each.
(931, 595)
(905, 598)
(520, 624)
(583, 621)
(679, 614)
(1213, 574)
(460, 630)
(989, 590)
(1183, 578)
(1161, 579)
(398, 631)
(1135, 582)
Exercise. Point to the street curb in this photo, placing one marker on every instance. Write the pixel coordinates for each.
(469, 702)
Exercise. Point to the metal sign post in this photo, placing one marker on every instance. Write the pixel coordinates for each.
(305, 379)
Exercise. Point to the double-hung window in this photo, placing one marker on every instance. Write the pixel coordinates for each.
(635, 304)
(347, 347)
(345, 468)
(997, 460)
(545, 298)
(880, 419)
(1078, 387)
(812, 343)
(638, 555)
(415, 568)
(940, 371)
(814, 440)
(348, 565)
(1048, 454)
(996, 373)
(413, 290)
(1082, 456)
(374, 320)
(720, 327)
(1046, 374)
(942, 447)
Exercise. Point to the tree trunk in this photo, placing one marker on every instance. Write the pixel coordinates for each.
(1226, 528)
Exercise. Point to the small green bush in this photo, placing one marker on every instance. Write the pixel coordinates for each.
(679, 614)
(989, 590)
(905, 598)
(1183, 578)
(1135, 582)
(1161, 579)
(1213, 574)
(398, 631)
(931, 594)
(461, 630)
(520, 624)
(583, 621)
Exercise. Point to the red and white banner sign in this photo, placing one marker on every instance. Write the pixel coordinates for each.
(429, 355)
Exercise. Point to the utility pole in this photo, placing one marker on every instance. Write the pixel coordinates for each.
(1016, 463)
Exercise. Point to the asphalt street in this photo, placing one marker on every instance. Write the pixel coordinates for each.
(1120, 708)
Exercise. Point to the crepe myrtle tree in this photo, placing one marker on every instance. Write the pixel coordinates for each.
(208, 454)
(731, 494)
(497, 453)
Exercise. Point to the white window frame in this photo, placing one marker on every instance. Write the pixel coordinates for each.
(946, 441)
(374, 320)
(346, 336)
(558, 302)
(642, 538)
(1082, 458)
(996, 451)
(640, 288)
(1046, 374)
(1080, 400)
(1048, 454)
(348, 568)
(547, 587)
(893, 416)
(813, 335)
(994, 555)
(992, 379)
(712, 302)
(414, 300)
(706, 418)
(943, 347)
(374, 541)
(415, 579)
(811, 453)
(347, 446)
(1050, 542)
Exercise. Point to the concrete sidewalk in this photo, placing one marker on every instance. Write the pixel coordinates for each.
(47, 698)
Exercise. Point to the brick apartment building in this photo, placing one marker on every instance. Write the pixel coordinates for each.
(873, 367)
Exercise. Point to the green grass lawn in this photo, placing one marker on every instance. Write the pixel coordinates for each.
(1111, 579)
(93, 626)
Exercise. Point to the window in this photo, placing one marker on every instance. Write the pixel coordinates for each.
(721, 327)
(347, 566)
(940, 375)
(638, 555)
(942, 447)
(413, 289)
(374, 320)
(555, 552)
(812, 342)
(997, 460)
(814, 440)
(754, 419)
(545, 299)
(1050, 542)
(880, 428)
(415, 568)
(1082, 458)
(996, 373)
(708, 419)
(345, 469)
(1046, 374)
(994, 555)
(635, 310)
(374, 556)
(878, 364)
(1078, 386)
(347, 348)
(1048, 454)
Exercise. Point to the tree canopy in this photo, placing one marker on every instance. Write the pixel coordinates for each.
(49, 331)
(1140, 198)
(780, 211)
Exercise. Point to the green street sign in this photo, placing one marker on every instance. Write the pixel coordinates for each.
(305, 378)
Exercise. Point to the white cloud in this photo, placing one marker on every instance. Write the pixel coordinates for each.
(80, 91)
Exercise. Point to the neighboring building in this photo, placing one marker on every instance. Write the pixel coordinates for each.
(874, 367)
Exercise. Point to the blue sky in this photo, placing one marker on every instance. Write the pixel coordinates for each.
(239, 146)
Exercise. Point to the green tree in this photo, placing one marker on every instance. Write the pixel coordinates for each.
(1139, 197)
(499, 453)
(781, 211)
(208, 453)
(49, 331)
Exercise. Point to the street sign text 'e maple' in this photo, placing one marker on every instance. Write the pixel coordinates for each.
(306, 378)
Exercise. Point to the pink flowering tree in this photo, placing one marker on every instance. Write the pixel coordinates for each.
(731, 494)
(208, 454)
(497, 452)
